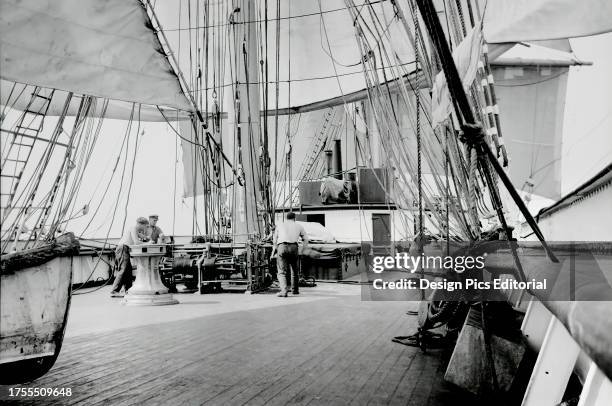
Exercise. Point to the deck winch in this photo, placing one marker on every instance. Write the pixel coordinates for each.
(212, 266)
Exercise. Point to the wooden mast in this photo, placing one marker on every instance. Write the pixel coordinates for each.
(248, 141)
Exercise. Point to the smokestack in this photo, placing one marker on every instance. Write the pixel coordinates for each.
(337, 160)
(329, 160)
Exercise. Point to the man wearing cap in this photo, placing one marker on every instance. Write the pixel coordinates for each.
(155, 234)
(286, 237)
(134, 235)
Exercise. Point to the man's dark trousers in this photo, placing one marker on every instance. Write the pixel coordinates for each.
(288, 260)
(123, 276)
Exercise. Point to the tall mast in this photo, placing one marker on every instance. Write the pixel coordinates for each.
(248, 140)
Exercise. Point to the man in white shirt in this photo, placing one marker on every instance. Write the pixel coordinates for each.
(134, 235)
(286, 237)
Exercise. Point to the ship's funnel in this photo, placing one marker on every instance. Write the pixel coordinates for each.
(337, 159)
(329, 161)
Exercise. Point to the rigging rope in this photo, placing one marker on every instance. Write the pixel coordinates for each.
(278, 18)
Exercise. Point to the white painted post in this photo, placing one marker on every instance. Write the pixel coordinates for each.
(553, 367)
(597, 388)
(536, 321)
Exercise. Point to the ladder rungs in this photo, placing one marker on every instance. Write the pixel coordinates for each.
(8, 176)
(38, 113)
(44, 97)
(16, 160)
(35, 138)
(28, 128)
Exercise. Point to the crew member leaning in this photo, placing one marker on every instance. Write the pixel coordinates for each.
(286, 237)
(155, 234)
(134, 235)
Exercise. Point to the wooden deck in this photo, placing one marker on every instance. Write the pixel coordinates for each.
(325, 347)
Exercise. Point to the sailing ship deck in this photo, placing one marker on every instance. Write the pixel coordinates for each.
(326, 346)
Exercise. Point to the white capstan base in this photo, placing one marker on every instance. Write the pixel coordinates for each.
(149, 299)
(148, 289)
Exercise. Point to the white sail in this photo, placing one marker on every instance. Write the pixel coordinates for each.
(317, 42)
(11, 95)
(103, 49)
(531, 106)
(531, 20)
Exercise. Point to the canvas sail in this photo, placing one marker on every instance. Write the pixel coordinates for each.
(318, 52)
(532, 20)
(11, 95)
(531, 108)
(530, 82)
(103, 49)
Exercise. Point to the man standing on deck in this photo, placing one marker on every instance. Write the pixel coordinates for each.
(286, 237)
(155, 234)
(133, 236)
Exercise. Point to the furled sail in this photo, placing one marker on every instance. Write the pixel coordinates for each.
(466, 56)
(103, 49)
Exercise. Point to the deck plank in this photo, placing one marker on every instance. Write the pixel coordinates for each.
(335, 349)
